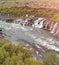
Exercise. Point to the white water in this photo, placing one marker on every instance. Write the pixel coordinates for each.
(51, 26)
(46, 23)
(57, 32)
(54, 28)
(40, 21)
(16, 32)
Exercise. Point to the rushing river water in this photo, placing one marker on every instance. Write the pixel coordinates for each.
(38, 39)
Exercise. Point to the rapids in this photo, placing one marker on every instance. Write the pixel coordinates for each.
(39, 39)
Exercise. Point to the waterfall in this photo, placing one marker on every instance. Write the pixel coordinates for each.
(39, 23)
(57, 32)
(26, 22)
(46, 24)
(51, 26)
(54, 28)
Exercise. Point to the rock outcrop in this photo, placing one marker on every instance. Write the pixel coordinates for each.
(1, 32)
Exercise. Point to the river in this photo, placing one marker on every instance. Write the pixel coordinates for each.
(39, 40)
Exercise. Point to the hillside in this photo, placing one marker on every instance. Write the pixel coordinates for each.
(31, 3)
(46, 3)
(42, 8)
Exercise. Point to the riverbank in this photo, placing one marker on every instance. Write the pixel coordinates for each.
(20, 12)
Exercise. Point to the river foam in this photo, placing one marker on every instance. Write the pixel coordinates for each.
(33, 34)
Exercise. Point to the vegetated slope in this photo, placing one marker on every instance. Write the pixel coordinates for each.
(22, 11)
(13, 3)
(32, 3)
(43, 8)
(46, 3)
(11, 54)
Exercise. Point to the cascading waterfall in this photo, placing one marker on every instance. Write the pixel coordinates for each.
(51, 26)
(34, 34)
(57, 33)
(45, 24)
(39, 23)
(54, 28)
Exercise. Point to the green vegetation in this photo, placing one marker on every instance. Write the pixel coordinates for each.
(11, 54)
(21, 12)
(12, 7)
(51, 59)
(12, 3)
